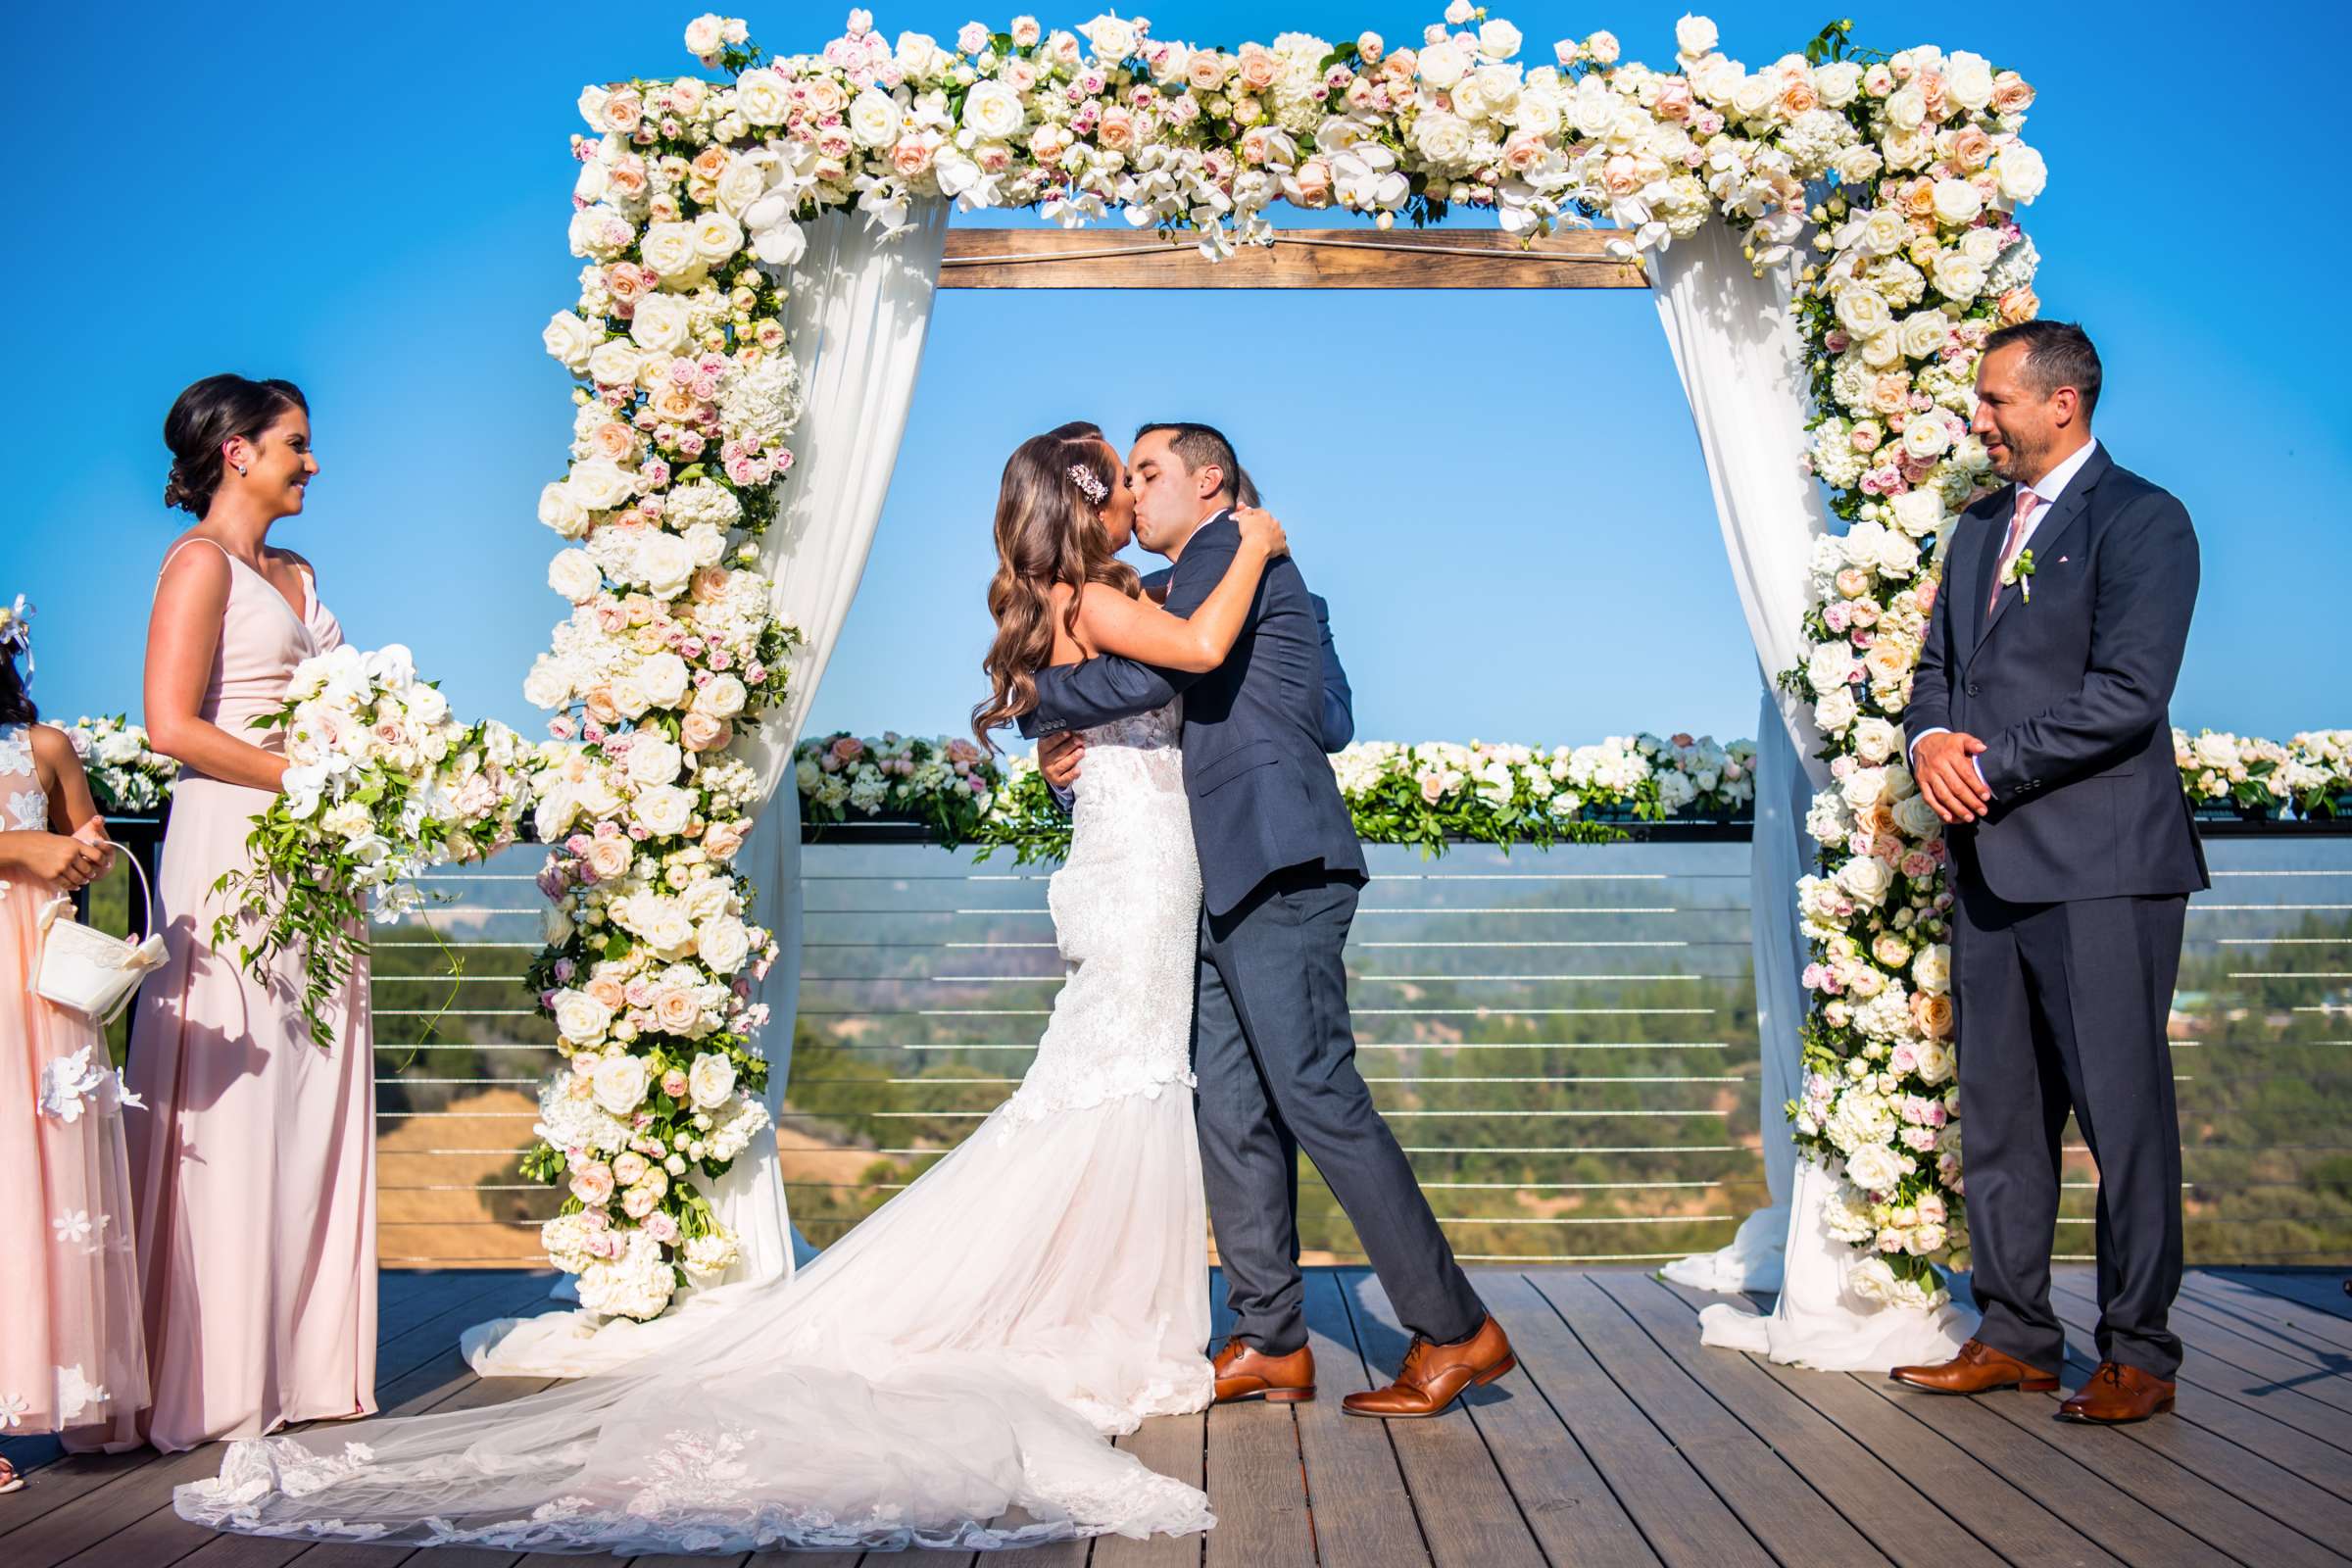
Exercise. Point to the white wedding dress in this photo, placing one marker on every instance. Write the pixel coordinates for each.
(947, 1373)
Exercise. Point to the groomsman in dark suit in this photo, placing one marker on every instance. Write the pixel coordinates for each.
(2040, 733)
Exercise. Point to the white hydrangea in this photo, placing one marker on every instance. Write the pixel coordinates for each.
(761, 402)
(638, 1284)
(566, 1121)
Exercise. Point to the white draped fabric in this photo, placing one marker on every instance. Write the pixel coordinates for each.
(857, 314)
(1737, 349)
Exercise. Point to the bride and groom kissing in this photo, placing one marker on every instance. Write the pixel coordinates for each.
(945, 1374)
(1243, 651)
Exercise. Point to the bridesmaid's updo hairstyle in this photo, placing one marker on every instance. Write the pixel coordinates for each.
(209, 416)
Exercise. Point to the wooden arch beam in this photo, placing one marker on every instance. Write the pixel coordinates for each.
(1102, 258)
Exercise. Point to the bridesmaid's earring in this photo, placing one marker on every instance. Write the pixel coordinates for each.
(239, 467)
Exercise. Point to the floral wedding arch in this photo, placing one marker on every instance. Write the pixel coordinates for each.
(1881, 189)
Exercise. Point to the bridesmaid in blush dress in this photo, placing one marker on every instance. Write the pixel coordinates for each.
(255, 1169)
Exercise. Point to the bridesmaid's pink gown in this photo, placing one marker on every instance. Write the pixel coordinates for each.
(255, 1165)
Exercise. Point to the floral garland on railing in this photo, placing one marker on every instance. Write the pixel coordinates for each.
(2311, 774)
(692, 193)
(1431, 795)
(127, 776)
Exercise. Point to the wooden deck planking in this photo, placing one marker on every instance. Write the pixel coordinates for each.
(2320, 1289)
(57, 1483)
(2285, 1339)
(2056, 1479)
(1171, 1445)
(1256, 1489)
(123, 1519)
(1359, 1507)
(2300, 1395)
(1772, 1500)
(2238, 1301)
(2244, 1423)
(1566, 1501)
(2162, 1486)
(1977, 1497)
(1058, 1554)
(1678, 1516)
(1620, 1439)
(429, 1375)
(1872, 1497)
(2208, 1457)
(1254, 1478)
(1471, 1520)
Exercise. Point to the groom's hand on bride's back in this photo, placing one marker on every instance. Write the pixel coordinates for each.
(1059, 755)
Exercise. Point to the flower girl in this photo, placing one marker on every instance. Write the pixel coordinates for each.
(72, 1357)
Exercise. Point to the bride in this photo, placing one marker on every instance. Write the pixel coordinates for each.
(946, 1374)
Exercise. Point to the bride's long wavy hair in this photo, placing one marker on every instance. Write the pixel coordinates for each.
(1048, 532)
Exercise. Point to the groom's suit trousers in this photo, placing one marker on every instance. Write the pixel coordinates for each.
(1274, 1051)
(2063, 1006)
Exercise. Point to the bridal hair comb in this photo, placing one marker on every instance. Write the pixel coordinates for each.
(1084, 479)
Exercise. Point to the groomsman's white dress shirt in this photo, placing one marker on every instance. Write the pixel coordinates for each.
(2049, 487)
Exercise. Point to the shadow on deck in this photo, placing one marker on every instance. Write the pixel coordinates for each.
(1620, 1440)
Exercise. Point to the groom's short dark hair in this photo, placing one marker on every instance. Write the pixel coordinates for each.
(1201, 446)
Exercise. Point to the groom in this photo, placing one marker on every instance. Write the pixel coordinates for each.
(1273, 1048)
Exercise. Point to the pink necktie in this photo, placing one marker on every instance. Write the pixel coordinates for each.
(2026, 501)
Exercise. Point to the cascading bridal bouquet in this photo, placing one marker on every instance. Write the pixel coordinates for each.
(381, 783)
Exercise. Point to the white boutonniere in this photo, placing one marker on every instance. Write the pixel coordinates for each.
(2019, 574)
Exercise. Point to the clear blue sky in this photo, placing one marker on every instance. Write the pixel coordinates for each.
(1499, 493)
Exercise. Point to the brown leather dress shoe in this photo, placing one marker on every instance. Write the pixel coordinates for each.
(1246, 1372)
(1977, 1369)
(2118, 1394)
(1435, 1374)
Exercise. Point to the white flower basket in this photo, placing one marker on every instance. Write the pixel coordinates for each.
(89, 971)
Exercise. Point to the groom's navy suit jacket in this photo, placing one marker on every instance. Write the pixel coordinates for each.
(1339, 702)
(1263, 796)
(2068, 689)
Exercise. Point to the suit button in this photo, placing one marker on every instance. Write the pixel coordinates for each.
(1972, 688)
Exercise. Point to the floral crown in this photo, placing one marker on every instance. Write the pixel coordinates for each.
(1092, 487)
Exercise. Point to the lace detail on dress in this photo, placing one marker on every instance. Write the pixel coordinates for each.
(24, 805)
(700, 1492)
(1126, 916)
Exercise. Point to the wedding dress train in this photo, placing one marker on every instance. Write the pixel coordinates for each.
(947, 1373)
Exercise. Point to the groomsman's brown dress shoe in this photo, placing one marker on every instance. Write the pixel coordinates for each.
(1246, 1372)
(1977, 1369)
(1435, 1374)
(2116, 1395)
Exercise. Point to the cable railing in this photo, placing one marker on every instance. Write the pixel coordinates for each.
(1563, 1041)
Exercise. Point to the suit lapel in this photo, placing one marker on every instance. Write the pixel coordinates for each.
(2051, 532)
(1972, 575)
